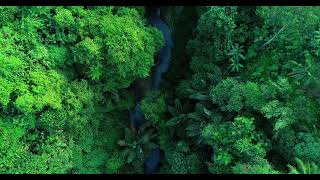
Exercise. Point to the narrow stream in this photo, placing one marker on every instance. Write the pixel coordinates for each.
(162, 60)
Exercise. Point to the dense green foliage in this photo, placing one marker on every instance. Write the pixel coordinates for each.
(250, 101)
(63, 74)
(241, 96)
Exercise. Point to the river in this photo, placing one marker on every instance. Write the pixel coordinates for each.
(163, 60)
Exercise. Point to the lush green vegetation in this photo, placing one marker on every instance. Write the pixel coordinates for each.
(241, 96)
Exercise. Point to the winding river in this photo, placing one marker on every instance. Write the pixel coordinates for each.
(163, 59)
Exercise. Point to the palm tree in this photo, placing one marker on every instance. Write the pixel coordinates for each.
(303, 168)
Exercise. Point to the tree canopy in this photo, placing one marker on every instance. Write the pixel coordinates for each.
(241, 95)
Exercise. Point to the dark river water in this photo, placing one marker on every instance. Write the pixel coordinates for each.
(163, 59)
